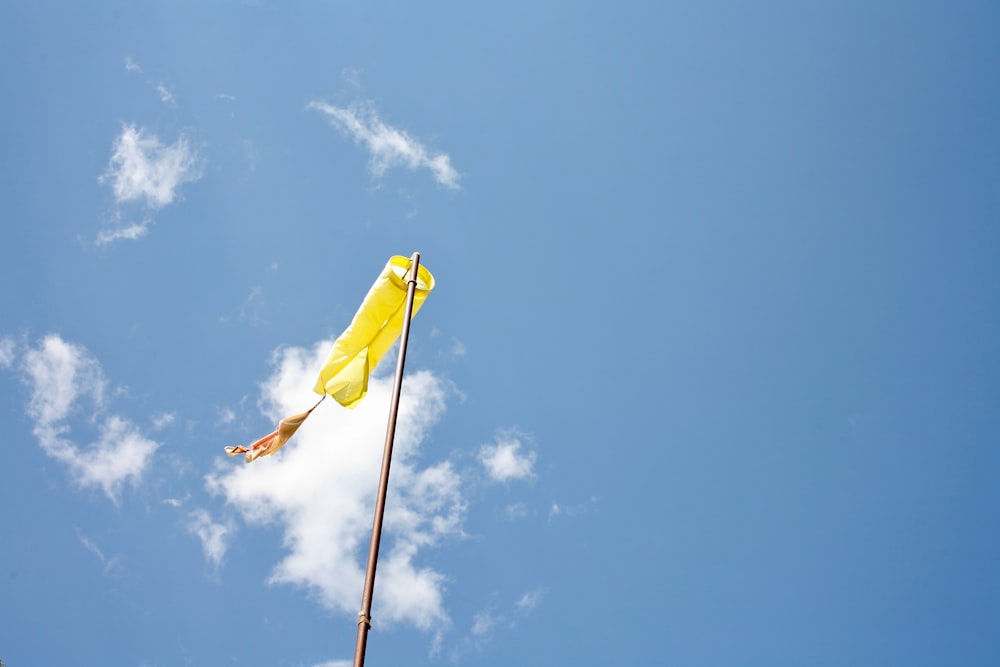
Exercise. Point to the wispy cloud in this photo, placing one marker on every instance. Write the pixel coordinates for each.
(226, 415)
(214, 536)
(530, 600)
(504, 460)
(252, 308)
(109, 565)
(516, 511)
(387, 146)
(129, 232)
(482, 623)
(458, 349)
(490, 622)
(320, 490)
(352, 75)
(166, 96)
(558, 510)
(145, 174)
(163, 420)
(7, 352)
(63, 376)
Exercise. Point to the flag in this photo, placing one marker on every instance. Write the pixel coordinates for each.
(374, 329)
(274, 440)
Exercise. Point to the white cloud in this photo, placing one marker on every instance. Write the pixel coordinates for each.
(163, 420)
(252, 308)
(458, 348)
(320, 489)
(89, 545)
(571, 510)
(504, 460)
(352, 75)
(60, 373)
(530, 600)
(482, 623)
(143, 169)
(387, 146)
(143, 172)
(214, 536)
(516, 511)
(132, 66)
(61, 376)
(130, 232)
(165, 95)
(7, 352)
(121, 454)
(226, 416)
(109, 564)
(485, 625)
(488, 623)
(335, 663)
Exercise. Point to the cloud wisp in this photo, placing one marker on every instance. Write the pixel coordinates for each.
(145, 175)
(488, 623)
(530, 600)
(7, 357)
(166, 96)
(321, 491)
(387, 146)
(109, 565)
(62, 377)
(214, 536)
(504, 460)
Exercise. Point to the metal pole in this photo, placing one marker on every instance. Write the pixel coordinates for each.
(365, 615)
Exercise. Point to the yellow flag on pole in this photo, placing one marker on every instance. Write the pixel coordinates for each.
(374, 329)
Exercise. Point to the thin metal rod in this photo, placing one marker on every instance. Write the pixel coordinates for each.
(365, 615)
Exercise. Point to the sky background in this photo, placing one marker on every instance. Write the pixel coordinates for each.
(710, 376)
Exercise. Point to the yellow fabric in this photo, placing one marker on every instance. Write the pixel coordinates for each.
(374, 329)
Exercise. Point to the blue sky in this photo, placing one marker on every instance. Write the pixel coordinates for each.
(710, 375)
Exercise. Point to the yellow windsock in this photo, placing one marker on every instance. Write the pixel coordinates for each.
(374, 329)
